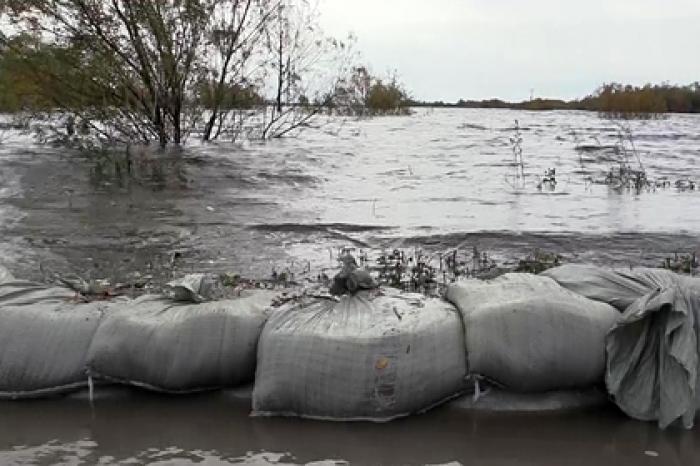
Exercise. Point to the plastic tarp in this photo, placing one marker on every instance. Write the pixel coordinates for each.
(375, 355)
(177, 347)
(44, 339)
(529, 334)
(653, 351)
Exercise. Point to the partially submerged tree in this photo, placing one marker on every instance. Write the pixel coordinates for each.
(141, 58)
(365, 94)
(143, 70)
(235, 30)
(164, 70)
(304, 68)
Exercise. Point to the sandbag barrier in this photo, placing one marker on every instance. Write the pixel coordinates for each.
(51, 342)
(373, 355)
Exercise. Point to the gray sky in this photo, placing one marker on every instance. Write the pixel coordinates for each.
(451, 49)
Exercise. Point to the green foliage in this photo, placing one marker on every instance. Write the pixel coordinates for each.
(365, 94)
(650, 101)
(386, 98)
(610, 100)
(230, 96)
(145, 71)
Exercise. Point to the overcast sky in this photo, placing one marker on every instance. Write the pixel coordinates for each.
(474, 49)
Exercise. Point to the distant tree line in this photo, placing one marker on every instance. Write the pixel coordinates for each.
(611, 100)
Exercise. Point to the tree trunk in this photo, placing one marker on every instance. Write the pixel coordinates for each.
(280, 73)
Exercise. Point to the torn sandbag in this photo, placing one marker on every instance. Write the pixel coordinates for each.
(529, 334)
(175, 347)
(44, 339)
(617, 287)
(653, 355)
(375, 355)
(652, 351)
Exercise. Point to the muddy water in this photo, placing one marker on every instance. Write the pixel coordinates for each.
(436, 180)
(126, 427)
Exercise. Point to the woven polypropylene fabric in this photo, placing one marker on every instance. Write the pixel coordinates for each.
(368, 356)
(44, 339)
(529, 334)
(168, 346)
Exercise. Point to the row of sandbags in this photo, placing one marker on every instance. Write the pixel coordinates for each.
(51, 342)
(377, 354)
(636, 331)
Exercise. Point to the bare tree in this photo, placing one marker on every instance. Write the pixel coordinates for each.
(305, 68)
(235, 30)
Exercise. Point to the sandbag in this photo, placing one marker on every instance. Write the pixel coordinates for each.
(375, 355)
(175, 347)
(617, 287)
(529, 334)
(44, 339)
(26, 293)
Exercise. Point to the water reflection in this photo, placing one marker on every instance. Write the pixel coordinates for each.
(214, 428)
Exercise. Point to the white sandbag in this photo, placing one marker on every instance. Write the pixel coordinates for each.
(175, 347)
(44, 339)
(375, 355)
(530, 334)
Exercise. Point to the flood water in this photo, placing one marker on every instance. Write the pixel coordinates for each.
(134, 427)
(436, 180)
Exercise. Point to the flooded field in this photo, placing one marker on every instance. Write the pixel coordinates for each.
(437, 180)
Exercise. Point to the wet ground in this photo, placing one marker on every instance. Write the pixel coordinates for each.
(437, 180)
